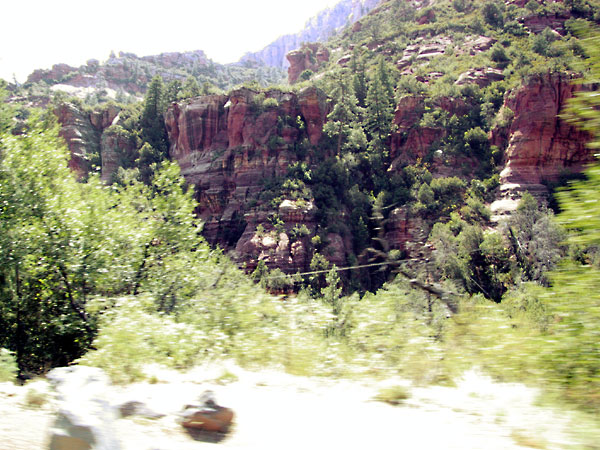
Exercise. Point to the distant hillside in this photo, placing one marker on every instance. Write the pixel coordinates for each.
(319, 28)
(127, 76)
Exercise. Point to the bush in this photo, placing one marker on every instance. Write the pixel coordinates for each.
(8, 366)
(270, 103)
(492, 14)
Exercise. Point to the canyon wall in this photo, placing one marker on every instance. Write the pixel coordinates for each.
(229, 147)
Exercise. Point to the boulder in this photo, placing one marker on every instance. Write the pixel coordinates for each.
(137, 408)
(207, 416)
(85, 419)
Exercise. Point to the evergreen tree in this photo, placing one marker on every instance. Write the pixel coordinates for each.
(172, 91)
(359, 79)
(190, 88)
(343, 121)
(152, 120)
(380, 107)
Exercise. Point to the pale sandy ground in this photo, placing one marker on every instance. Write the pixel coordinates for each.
(279, 411)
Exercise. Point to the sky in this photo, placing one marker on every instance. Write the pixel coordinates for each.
(35, 34)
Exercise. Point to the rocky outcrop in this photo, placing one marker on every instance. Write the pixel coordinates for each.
(538, 144)
(538, 23)
(286, 247)
(308, 57)
(85, 418)
(405, 231)
(129, 75)
(227, 147)
(81, 137)
(57, 73)
(92, 139)
(317, 29)
(117, 149)
(410, 140)
(426, 49)
(314, 110)
(481, 77)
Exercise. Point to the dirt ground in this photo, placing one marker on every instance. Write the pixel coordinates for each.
(274, 410)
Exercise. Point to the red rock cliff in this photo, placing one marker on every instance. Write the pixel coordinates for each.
(538, 144)
(227, 146)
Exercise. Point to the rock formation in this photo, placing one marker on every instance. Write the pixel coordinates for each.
(308, 57)
(538, 144)
(91, 139)
(228, 147)
(82, 138)
(410, 140)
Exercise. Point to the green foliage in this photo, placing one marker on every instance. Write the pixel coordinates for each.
(492, 14)
(152, 122)
(343, 121)
(583, 107)
(394, 395)
(306, 75)
(535, 239)
(63, 243)
(190, 88)
(8, 366)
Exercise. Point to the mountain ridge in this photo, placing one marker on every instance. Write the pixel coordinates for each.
(317, 29)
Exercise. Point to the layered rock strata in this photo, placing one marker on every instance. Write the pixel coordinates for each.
(228, 147)
(539, 144)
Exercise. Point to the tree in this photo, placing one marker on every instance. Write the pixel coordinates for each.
(343, 121)
(535, 238)
(190, 88)
(359, 79)
(63, 243)
(153, 130)
(172, 91)
(380, 107)
(492, 14)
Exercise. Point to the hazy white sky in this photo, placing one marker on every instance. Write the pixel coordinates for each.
(38, 33)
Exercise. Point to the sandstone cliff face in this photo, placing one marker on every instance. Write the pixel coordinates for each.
(90, 138)
(227, 146)
(538, 144)
(410, 140)
(81, 137)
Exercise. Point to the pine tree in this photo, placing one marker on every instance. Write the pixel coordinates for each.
(359, 79)
(152, 120)
(343, 121)
(380, 108)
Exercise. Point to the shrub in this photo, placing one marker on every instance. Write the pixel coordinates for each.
(394, 395)
(492, 14)
(270, 103)
(8, 366)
